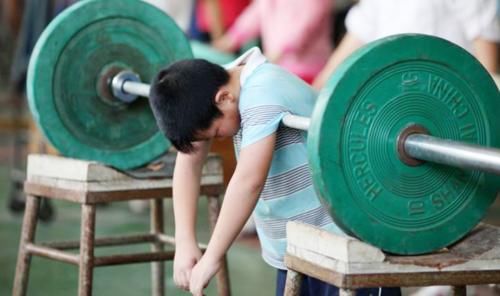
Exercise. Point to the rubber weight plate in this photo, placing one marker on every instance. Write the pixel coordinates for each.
(375, 94)
(72, 63)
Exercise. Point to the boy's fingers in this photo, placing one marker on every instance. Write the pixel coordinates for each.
(182, 281)
(197, 292)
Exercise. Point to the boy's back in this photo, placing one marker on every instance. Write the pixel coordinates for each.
(267, 94)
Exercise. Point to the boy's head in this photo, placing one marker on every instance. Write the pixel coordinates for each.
(188, 99)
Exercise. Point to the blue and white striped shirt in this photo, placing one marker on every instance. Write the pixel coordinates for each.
(268, 93)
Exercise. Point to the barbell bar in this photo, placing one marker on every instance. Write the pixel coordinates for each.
(416, 145)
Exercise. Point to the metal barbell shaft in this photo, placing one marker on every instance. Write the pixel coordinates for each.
(142, 90)
(136, 88)
(433, 149)
(418, 146)
(295, 121)
(452, 153)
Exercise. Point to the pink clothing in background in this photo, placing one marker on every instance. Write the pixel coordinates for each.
(230, 10)
(299, 30)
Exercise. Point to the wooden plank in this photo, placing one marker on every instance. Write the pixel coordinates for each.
(86, 197)
(117, 185)
(343, 248)
(63, 168)
(388, 279)
(480, 250)
(51, 166)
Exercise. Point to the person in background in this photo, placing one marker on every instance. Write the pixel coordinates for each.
(473, 25)
(295, 33)
(179, 11)
(213, 17)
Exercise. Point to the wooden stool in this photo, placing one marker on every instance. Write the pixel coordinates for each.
(91, 183)
(350, 264)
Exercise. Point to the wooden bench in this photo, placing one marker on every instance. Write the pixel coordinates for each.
(88, 184)
(350, 264)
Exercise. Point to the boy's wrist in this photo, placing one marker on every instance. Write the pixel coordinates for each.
(212, 256)
(185, 240)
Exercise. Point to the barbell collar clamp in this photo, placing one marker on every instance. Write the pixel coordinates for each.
(407, 131)
(127, 87)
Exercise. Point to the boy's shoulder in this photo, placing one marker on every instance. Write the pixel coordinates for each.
(276, 80)
(268, 74)
(270, 84)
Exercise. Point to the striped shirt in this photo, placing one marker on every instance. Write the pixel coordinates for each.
(268, 93)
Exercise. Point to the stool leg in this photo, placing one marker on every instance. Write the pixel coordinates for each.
(293, 283)
(222, 277)
(346, 292)
(157, 268)
(87, 237)
(459, 290)
(27, 236)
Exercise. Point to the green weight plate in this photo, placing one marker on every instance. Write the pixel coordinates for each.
(67, 84)
(376, 93)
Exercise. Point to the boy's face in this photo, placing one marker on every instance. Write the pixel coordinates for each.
(225, 126)
(228, 124)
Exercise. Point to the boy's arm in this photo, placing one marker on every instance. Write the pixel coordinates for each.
(186, 189)
(240, 199)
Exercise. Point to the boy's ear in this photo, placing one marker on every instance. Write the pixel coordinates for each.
(223, 95)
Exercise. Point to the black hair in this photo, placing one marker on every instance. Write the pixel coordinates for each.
(182, 97)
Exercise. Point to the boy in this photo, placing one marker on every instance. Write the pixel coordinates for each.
(195, 101)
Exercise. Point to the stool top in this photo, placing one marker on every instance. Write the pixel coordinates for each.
(92, 182)
(59, 167)
(347, 262)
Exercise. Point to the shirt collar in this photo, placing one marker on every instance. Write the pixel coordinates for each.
(251, 59)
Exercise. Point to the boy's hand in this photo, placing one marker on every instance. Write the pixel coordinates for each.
(186, 257)
(201, 275)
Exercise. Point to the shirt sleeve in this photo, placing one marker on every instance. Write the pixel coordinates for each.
(259, 122)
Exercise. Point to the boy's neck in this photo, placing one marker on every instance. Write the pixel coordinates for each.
(234, 80)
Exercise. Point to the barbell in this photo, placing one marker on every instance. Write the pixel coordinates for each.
(397, 141)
